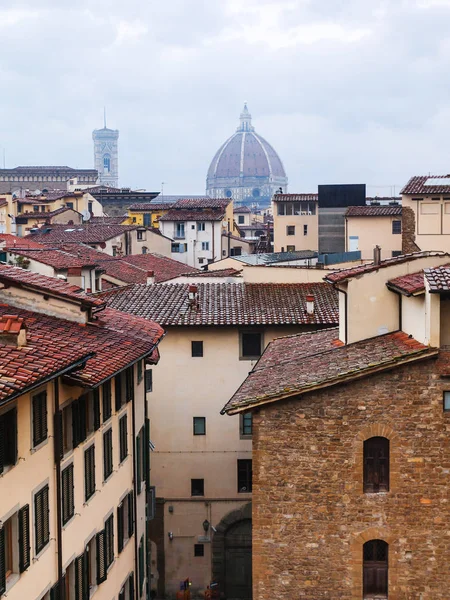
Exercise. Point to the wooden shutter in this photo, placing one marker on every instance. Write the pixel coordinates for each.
(82, 418)
(67, 494)
(109, 533)
(122, 594)
(131, 585)
(120, 526)
(118, 391)
(58, 441)
(24, 538)
(141, 566)
(151, 503)
(42, 524)
(101, 556)
(106, 395)
(89, 472)
(81, 577)
(107, 454)
(2, 562)
(138, 463)
(57, 592)
(10, 439)
(123, 438)
(96, 400)
(39, 418)
(129, 383)
(75, 423)
(130, 514)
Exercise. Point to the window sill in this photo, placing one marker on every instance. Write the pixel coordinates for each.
(11, 581)
(72, 518)
(255, 358)
(92, 590)
(105, 481)
(87, 502)
(39, 446)
(246, 436)
(41, 552)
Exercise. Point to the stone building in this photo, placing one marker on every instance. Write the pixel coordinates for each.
(20, 179)
(246, 168)
(351, 443)
(106, 155)
(370, 226)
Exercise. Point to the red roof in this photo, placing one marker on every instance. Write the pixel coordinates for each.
(295, 197)
(205, 202)
(344, 274)
(46, 285)
(373, 211)
(187, 214)
(149, 206)
(13, 241)
(409, 285)
(294, 365)
(218, 273)
(54, 258)
(53, 344)
(438, 279)
(419, 185)
(222, 304)
(164, 268)
(86, 233)
(241, 210)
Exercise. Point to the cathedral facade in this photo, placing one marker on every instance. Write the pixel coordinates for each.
(246, 168)
(106, 156)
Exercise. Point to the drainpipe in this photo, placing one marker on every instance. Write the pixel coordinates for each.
(135, 495)
(57, 449)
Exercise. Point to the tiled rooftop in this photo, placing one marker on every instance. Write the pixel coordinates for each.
(13, 241)
(192, 214)
(164, 268)
(409, 285)
(218, 273)
(108, 220)
(294, 365)
(149, 206)
(420, 185)
(53, 344)
(46, 285)
(53, 258)
(86, 233)
(221, 304)
(438, 279)
(205, 202)
(295, 197)
(344, 274)
(373, 211)
(241, 210)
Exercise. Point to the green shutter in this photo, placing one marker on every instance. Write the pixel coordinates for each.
(138, 463)
(58, 439)
(141, 566)
(96, 401)
(24, 538)
(75, 423)
(120, 526)
(118, 391)
(101, 557)
(82, 418)
(39, 418)
(2, 562)
(131, 585)
(130, 514)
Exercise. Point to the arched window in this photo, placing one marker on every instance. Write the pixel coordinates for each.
(106, 163)
(375, 569)
(376, 465)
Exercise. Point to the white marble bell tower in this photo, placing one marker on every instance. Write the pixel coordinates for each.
(106, 155)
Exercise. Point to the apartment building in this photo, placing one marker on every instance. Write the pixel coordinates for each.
(350, 442)
(295, 222)
(370, 226)
(202, 464)
(74, 474)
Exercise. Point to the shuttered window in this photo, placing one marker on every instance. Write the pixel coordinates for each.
(8, 439)
(68, 504)
(96, 407)
(139, 462)
(130, 500)
(118, 391)
(24, 538)
(2, 561)
(141, 566)
(109, 534)
(120, 525)
(79, 425)
(123, 438)
(42, 521)
(89, 472)
(151, 503)
(148, 380)
(140, 373)
(106, 394)
(129, 383)
(131, 585)
(107, 454)
(82, 576)
(39, 403)
(102, 567)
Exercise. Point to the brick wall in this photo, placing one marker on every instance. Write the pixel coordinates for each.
(408, 231)
(310, 515)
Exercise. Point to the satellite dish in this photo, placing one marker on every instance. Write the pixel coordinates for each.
(37, 193)
(86, 214)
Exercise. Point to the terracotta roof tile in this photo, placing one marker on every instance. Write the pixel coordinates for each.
(164, 268)
(438, 279)
(295, 197)
(149, 206)
(295, 365)
(241, 210)
(222, 304)
(410, 284)
(13, 241)
(230, 272)
(54, 258)
(373, 211)
(420, 185)
(192, 214)
(86, 233)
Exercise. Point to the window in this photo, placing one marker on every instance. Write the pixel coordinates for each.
(290, 248)
(148, 380)
(129, 384)
(179, 230)
(197, 349)
(66, 429)
(140, 235)
(376, 465)
(14, 545)
(106, 163)
(39, 403)
(147, 219)
(90, 207)
(199, 550)
(119, 385)
(251, 345)
(89, 472)
(446, 400)
(35, 208)
(205, 245)
(109, 535)
(141, 566)
(396, 253)
(305, 229)
(125, 521)
(41, 519)
(197, 487)
(200, 227)
(396, 226)
(8, 439)
(140, 371)
(244, 474)
(199, 425)
(375, 569)
(123, 438)
(246, 423)
(127, 591)
(85, 416)
(107, 454)
(281, 209)
(241, 219)
(68, 502)
(290, 229)
(106, 396)
(236, 251)
(69, 205)
(140, 459)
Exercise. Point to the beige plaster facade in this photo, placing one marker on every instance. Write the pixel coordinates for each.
(432, 220)
(364, 233)
(295, 225)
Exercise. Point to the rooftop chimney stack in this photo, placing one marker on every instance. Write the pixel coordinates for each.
(193, 295)
(310, 304)
(13, 331)
(377, 255)
(150, 277)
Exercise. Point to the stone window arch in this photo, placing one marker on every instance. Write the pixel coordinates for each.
(376, 464)
(361, 560)
(396, 459)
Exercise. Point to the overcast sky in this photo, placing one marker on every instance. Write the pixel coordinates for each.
(347, 91)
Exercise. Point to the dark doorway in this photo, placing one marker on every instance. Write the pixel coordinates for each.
(375, 569)
(238, 561)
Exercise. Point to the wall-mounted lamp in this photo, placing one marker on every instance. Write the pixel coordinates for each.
(170, 534)
(205, 525)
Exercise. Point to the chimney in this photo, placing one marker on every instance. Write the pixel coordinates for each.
(13, 331)
(310, 304)
(193, 295)
(150, 277)
(377, 255)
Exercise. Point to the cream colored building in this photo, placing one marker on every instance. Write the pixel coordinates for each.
(426, 213)
(74, 478)
(201, 463)
(370, 226)
(295, 222)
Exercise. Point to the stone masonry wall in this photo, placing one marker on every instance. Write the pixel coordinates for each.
(310, 515)
(409, 231)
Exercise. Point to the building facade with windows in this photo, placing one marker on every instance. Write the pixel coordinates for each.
(370, 226)
(106, 155)
(74, 474)
(21, 179)
(295, 222)
(350, 442)
(202, 464)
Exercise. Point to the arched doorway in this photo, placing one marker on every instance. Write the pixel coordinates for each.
(232, 554)
(375, 569)
(238, 561)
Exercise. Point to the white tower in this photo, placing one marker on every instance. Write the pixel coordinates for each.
(106, 155)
